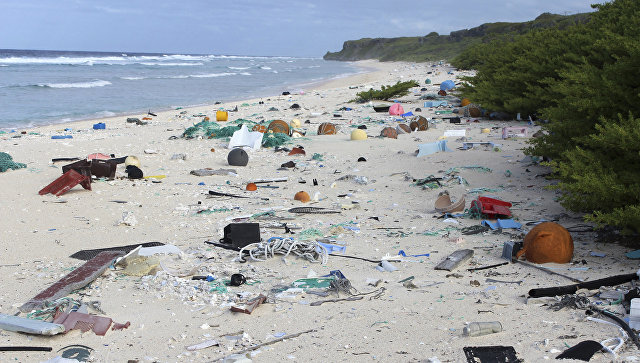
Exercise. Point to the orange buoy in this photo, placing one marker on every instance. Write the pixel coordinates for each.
(259, 128)
(475, 111)
(252, 187)
(389, 132)
(302, 196)
(403, 129)
(547, 242)
(278, 127)
(327, 128)
(464, 102)
(419, 124)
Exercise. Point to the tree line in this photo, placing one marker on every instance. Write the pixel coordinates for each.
(582, 85)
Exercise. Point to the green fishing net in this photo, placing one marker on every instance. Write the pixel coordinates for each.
(6, 163)
(273, 140)
(213, 130)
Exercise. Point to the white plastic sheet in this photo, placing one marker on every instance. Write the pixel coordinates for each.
(246, 138)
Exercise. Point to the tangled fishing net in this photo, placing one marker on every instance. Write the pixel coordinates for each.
(213, 130)
(6, 163)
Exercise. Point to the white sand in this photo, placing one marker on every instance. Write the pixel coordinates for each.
(167, 314)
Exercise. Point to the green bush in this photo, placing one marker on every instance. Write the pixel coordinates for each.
(579, 80)
(386, 92)
(603, 178)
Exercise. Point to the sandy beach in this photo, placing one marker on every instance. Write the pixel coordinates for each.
(415, 313)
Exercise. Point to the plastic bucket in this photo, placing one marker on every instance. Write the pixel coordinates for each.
(222, 115)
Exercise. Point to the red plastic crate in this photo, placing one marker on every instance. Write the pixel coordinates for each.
(64, 183)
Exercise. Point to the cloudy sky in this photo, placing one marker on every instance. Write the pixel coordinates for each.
(247, 27)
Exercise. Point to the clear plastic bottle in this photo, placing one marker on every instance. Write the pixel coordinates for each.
(482, 328)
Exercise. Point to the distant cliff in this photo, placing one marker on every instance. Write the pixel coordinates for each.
(435, 47)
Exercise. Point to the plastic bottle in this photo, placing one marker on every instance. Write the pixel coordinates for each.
(482, 328)
(634, 314)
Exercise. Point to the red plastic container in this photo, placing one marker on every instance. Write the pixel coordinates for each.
(491, 207)
(64, 183)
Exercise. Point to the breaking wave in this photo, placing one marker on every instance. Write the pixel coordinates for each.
(96, 83)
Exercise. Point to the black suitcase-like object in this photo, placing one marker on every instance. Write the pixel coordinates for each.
(238, 235)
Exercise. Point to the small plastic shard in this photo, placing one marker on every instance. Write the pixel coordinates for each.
(84, 322)
(250, 305)
(118, 326)
(203, 345)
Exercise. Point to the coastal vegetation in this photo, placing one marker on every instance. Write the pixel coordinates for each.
(386, 92)
(581, 83)
(434, 46)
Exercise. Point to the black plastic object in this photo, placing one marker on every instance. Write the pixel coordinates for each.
(491, 354)
(591, 285)
(238, 157)
(237, 280)
(239, 235)
(99, 168)
(362, 159)
(581, 351)
(133, 172)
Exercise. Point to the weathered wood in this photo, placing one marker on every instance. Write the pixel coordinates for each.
(455, 259)
(76, 279)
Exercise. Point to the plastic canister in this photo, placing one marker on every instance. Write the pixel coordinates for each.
(482, 328)
(634, 314)
(222, 115)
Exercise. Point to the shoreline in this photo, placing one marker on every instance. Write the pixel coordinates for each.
(313, 84)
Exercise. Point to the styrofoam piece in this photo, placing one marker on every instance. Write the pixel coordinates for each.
(30, 326)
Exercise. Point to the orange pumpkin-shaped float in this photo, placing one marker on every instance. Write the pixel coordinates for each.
(259, 128)
(419, 123)
(278, 127)
(547, 242)
(252, 187)
(327, 128)
(403, 129)
(464, 102)
(389, 132)
(474, 111)
(302, 196)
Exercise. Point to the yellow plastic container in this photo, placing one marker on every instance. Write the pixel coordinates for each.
(222, 115)
(358, 134)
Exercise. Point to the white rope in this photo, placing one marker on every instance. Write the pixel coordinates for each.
(605, 343)
(261, 251)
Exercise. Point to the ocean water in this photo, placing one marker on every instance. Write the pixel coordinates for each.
(48, 87)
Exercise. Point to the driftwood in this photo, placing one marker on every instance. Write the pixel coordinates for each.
(455, 259)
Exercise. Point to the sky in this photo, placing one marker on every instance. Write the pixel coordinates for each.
(301, 28)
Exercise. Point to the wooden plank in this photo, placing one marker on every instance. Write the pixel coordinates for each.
(76, 279)
(455, 259)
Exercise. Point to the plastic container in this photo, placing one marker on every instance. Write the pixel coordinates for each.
(222, 115)
(634, 314)
(482, 328)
